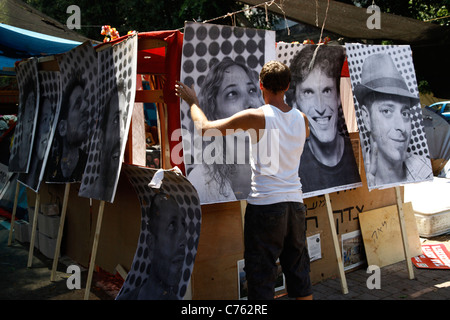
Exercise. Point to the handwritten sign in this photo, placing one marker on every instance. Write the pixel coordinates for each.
(382, 237)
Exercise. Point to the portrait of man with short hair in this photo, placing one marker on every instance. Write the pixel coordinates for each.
(70, 144)
(327, 163)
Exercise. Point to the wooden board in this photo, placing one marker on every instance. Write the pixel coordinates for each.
(382, 237)
(219, 248)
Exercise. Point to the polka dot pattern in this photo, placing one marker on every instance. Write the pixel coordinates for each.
(178, 187)
(49, 88)
(79, 62)
(27, 75)
(402, 58)
(114, 63)
(83, 60)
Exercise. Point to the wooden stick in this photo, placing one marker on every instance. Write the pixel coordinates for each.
(60, 232)
(401, 218)
(336, 245)
(13, 217)
(33, 230)
(243, 205)
(94, 250)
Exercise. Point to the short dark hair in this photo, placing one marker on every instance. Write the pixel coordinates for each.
(275, 76)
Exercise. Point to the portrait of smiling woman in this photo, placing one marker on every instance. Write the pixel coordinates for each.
(228, 88)
(222, 63)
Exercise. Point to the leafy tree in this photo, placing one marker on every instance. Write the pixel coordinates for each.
(435, 11)
(139, 15)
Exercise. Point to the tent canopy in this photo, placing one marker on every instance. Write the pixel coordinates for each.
(17, 44)
(19, 14)
(26, 32)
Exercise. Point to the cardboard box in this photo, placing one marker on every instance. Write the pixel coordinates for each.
(50, 209)
(47, 245)
(21, 232)
(49, 225)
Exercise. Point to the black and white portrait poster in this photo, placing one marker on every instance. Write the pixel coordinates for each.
(170, 229)
(117, 89)
(327, 163)
(28, 83)
(388, 114)
(48, 111)
(223, 64)
(78, 75)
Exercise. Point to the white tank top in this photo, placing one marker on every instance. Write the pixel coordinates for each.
(275, 158)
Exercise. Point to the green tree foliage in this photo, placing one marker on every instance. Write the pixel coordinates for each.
(434, 11)
(139, 15)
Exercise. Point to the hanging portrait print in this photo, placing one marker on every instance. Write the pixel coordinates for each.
(117, 89)
(49, 105)
(327, 163)
(223, 64)
(170, 229)
(68, 155)
(28, 82)
(388, 114)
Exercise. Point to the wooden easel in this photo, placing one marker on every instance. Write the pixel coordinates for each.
(13, 216)
(33, 229)
(337, 250)
(34, 223)
(94, 250)
(401, 219)
(60, 232)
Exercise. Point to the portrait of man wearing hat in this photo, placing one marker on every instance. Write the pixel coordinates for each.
(385, 103)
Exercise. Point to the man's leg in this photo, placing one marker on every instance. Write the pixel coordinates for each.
(263, 238)
(295, 258)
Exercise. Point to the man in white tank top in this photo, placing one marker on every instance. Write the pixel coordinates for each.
(275, 215)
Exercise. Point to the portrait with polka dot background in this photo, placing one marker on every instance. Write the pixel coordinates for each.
(28, 83)
(77, 115)
(170, 229)
(223, 64)
(327, 163)
(116, 92)
(388, 114)
(48, 111)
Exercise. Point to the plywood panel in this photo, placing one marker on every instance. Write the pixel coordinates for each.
(380, 230)
(220, 247)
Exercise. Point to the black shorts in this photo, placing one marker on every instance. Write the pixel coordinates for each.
(271, 232)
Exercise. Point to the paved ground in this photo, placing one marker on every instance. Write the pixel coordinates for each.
(17, 282)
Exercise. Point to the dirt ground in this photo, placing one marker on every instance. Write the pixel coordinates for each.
(18, 282)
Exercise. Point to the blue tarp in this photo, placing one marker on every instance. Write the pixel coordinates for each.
(17, 44)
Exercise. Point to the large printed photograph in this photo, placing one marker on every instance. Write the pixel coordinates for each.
(68, 155)
(116, 92)
(49, 105)
(28, 82)
(327, 163)
(389, 115)
(170, 229)
(223, 65)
